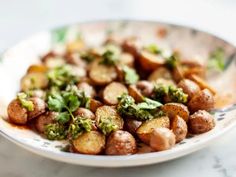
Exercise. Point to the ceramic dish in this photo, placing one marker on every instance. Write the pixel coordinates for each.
(191, 42)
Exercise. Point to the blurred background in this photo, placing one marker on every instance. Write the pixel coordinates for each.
(22, 18)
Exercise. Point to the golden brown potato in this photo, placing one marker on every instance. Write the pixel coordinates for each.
(37, 69)
(108, 112)
(39, 108)
(203, 100)
(179, 128)
(126, 59)
(101, 74)
(189, 87)
(75, 46)
(16, 113)
(143, 148)
(132, 125)
(92, 142)
(94, 104)
(135, 93)
(173, 109)
(145, 87)
(85, 113)
(150, 61)
(34, 80)
(131, 45)
(202, 83)
(147, 127)
(112, 91)
(120, 143)
(45, 119)
(201, 122)
(177, 73)
(88, 89)
(162, 139)
(160, 73)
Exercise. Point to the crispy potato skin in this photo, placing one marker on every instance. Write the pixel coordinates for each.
(144, 131)
(92, 142)
(201, 122)
(132, 46)
(162, 139)
(45, 119)
(88, 89)
(150, 61)
(39, 108)
(16, 113)
(120, 143)
(104, 112)
(189, 87)
(132, 125)
(179, 128)
(112, 91)
(173, 109)
(86, 113)
(94, 104)
(203, 100)
(145, 87)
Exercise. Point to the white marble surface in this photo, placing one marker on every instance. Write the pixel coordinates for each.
(19, 19)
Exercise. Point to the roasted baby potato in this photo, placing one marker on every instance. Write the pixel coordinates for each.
(162, 139)
(143, 148)
(120, 143)
(92, 142)
(179, 128)
(37, 69)
(108, 112)
(132, 46)
(132, 125)
(112, 91)
(85, 113)
(87, 89)
(173, 109)
(177, 73)
(35, 80)
(201, 122)
(203, 100)
(39, 108)
(126, 59)
(150, 61)
(145, 87)
(135, 93)
(94, 104)
(147, 127)
(160, 73)
(16, 113)
(45, 119)
(101, 74)
(189, 87)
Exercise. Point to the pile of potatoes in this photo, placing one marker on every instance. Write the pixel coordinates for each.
(103, 84)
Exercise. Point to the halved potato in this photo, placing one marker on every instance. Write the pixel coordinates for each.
(203, 100)
(143, 148)
(202, 83)
(112, 91)
(34, 80)
(131, 125)
(179, 128)
(160, 73)
(94, 104)
(109, 112)
(131, 45)
(150, 61)
(177, 73)
(101, 74)
(126, 59)
(147, 127)
(92, 142)
(87, 89)
(37, 69)
(135, 93)
(173, 109)
(189, 87)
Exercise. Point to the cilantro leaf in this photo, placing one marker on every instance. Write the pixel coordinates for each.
(131, 77)
(23, 98)
(63, 117)
(56, 102)
(216, 60)
(71, 100)
(149, 104)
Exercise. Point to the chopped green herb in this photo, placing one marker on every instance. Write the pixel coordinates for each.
(131, 77)
(88, 56)
(109, 58)
(107, 126)
(62, 76)
(216, 60)
(149, 104)
(172, 61)
(55, 131)
(79, 126)
(23, 98)
(63, 117)
(152, 48)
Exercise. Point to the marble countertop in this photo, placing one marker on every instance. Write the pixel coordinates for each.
(19, 19)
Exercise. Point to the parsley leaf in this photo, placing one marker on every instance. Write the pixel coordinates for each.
(216, 60)
(23, 98)
(131, 77)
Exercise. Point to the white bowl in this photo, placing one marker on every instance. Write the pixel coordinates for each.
(191, 43)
